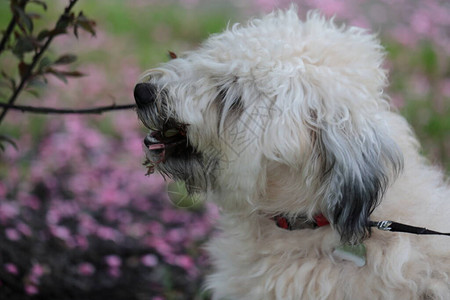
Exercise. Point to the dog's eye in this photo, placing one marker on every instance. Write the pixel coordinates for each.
(229, 104)
(229, 99)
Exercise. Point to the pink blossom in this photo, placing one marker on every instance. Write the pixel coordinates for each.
(12, 234)
(184, 261)
(36, 273)
(113, 261)
(11, 268)
(86, 269)
(37, 270)
(176, 235)
(24, 229)
(61, 232)
(114, 272)
(31, 289)
(421, 22)
(149, 260)
(8, 211)
(161, 246)
(82, 242)
(106, 233)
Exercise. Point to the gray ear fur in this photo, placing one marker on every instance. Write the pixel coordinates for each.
(356, 170)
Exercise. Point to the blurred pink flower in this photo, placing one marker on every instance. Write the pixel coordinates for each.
(24, 229)
(31, 202)
(176, 235)
(161, 246)
(60, 232)
(82, 242)
(37, 270)
(86, 269)
(8, 211)
(184, 262)
(31, 289)
(149, 260)
(114, 272)
(11, 268)
(12, 234)
(113, 261)
(421, 22)
(107, 233)
(36, 273)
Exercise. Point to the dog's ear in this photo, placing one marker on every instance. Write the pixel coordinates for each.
(357, 166)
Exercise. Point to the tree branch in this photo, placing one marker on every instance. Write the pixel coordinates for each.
(10, 27)
(35, 60)
(51, 110)
(7, 33)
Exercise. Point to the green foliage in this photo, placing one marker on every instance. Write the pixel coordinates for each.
(28, 47)
(151, 30)
(417, 76)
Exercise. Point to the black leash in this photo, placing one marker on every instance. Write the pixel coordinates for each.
(399, 227)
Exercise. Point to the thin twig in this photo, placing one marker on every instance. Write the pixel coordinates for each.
(8, 32)
(35, 60)
(10, 27)
(51, 110)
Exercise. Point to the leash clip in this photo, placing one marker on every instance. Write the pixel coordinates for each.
(384, 225)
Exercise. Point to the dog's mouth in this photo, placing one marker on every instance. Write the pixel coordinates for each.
(171, 142)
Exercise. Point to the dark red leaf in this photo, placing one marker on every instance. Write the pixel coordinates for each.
(85, 23)
(172, 55)
(34, 15)
(23, 68)
(57, 74)
(72, 73)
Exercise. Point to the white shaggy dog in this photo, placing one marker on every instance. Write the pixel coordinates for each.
(279, 122)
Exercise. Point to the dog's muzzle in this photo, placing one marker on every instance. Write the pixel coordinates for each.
(167, 137)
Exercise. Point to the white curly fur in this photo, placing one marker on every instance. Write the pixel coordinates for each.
(314, 119)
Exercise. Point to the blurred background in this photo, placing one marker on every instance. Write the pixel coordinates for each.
(78, 217)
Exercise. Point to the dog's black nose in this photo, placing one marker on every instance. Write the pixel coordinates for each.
(144, 94)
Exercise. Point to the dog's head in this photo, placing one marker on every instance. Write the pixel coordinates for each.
(279, 115)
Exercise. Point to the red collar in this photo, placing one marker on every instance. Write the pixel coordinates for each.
(300, 222)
